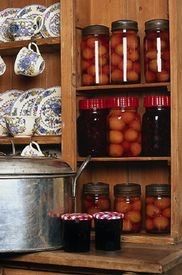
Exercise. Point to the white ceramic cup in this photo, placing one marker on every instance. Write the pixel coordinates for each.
(32, 150)
(29, 62)
(24, 28)
(2, 66)
(20, 125)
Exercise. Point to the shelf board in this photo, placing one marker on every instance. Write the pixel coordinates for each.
(147, 239)
(135, 87)
(126, 159)
(51, 44)
(26, 140)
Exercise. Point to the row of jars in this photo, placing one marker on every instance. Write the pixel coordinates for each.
(113, 127)
(117, 60)
(155, 216)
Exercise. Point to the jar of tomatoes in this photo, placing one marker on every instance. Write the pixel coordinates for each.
(158, 208)
(95, 55)
(124, 127)
(95, 197)
(125, 52)
(156, 51)
(128, 202)
(92, 127)
(156, 126)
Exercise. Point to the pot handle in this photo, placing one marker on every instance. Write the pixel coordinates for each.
(80, 170)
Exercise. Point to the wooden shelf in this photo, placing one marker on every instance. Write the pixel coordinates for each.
(126, 159)
(51, 44)
(163, 86)
(26, 140)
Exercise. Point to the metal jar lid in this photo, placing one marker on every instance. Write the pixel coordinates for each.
(158, 189)
(96, 188)
(95, 29)
(76, 217)
(127, 189)
(157, 24)
(124, 24)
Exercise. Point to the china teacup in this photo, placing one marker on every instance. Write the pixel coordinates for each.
(20, 125)
(2, 66)
(29, 62)
(32, 150)
(25, 28)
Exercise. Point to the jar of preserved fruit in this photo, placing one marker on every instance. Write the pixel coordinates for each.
(125, 52)
(156, 51)
(124, 127)
(95, 197)
(92, 127)
(128, 202)
(95, 55)
(156, 126)
(158, 208)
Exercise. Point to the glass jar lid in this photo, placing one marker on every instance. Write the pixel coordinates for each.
(157, 24)
(156, 101)
(108, 215)
(124, 24)
(95, 29)
(93, 103)
(127, 189)
(76, 216)
(122, 101)
(96, 188)
(158, 189)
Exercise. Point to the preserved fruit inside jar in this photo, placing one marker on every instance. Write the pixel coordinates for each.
(158, 209)
(95, 55)
(124, 127)
(156, 126)
(95, 198)
(156, 51)
(125, 52)
(128, 202)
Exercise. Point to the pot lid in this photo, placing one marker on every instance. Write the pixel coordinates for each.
(12, 167)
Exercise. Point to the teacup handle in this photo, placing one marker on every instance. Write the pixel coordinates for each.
(36, 144)
(38, 20)
(35, 45)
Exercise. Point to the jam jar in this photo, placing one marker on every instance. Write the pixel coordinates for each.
(156, 126)
(156, 51)
(92, 127)
(158, 208)
(95, 197)
(95, 55)
(124, 127)
(125, 52)
(128, 202)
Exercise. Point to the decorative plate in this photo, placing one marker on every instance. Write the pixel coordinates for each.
(5, 16)
(31, 11)
(51, 27)
(47, 109)
(7, 100)
(23, 106)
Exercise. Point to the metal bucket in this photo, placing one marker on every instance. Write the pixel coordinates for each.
(33, 194)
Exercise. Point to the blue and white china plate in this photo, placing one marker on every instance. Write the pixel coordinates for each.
(5, 16)
(47, 109)
(31, 11)
(23, 106)
(51, 27)
(7, 100)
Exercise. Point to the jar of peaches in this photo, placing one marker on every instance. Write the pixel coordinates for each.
(128, 202)
(158, 208)
(95, 197)
(156, 51)
(95, 55)
(125, 52)
(124, 127)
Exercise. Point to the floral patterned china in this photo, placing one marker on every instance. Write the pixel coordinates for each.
(2, 66)
(51, 27)
(5, 16)
(20, 125)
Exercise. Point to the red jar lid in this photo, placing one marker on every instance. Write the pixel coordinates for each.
(156, 101)
(108, 215)
(93, 103)
(122, 101)
(76, 216)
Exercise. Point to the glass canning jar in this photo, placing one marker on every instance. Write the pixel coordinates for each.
(158, 208)
(128, 202)
(125, 52)
(156, 51)
(156, 126)
(95, 197)
(92, 127)
(124, 127)
(95, 55)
